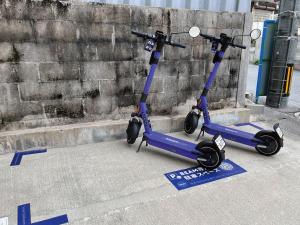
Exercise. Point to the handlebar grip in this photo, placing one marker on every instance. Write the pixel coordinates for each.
(239, 46)
(176, 45)
(207, 36)
(139, 34)
(142, 35)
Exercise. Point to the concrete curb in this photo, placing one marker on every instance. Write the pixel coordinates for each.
(86, 133)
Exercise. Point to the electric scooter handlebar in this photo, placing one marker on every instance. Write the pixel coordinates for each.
(153, 37)
(143, 35)
(238, 46)
(212, 38)
(175, 44)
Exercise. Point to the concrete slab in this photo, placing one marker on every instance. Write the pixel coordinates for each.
(294, 99)
(94, 132)
(109, 183)
(255, 108)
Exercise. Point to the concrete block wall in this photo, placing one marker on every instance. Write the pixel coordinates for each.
(62, 62)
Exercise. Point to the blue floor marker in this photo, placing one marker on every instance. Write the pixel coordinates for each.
(195, 176)
(18, 156)
(24, 217)
(249, 124)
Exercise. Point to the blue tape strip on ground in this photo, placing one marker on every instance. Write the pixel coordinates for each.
(16, 159)
(54, 221)
(249, 124)
(190, 177)
(24, 217)
(24, 214)
(18, 156)
(34, 151)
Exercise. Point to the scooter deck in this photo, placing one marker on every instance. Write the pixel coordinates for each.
(172, 144)
(231, 134)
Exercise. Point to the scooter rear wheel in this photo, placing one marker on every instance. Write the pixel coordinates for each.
(212, 157)
(272, 144)
(191, 122)
(133, 130)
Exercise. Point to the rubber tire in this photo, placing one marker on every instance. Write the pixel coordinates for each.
(269, 137)
(191, 122)
(209, 148)
(133, 130)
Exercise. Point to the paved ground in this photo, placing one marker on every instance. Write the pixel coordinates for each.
(108, 183)
(294, 99)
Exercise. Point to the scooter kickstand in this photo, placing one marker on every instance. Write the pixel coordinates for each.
(143, 139)
(201, 132)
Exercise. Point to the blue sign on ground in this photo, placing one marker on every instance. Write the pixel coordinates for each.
(24, 217)
(194, 176)
(18, 156)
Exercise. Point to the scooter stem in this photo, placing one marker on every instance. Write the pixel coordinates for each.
(203, 101)
(214, 72)
(143, 106)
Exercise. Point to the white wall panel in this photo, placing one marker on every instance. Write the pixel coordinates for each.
(212, 5)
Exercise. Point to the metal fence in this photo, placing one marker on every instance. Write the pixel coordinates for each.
(212, 5)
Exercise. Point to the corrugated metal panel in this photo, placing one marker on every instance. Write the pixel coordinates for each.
(212, 5)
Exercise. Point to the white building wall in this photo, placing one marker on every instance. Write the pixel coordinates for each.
(212, 5)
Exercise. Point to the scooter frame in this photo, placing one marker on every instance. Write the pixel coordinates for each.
(166, 142)
(202, 105)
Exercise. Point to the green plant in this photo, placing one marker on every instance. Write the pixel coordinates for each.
(256, 62)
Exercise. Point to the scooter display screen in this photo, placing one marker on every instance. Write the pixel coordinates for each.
(220, 142)
(149, 45)
(279, 132)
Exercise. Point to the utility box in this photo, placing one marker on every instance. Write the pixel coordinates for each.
(269, 29)
(284, 52)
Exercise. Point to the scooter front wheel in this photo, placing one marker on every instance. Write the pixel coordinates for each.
(271, 144)
(133, 130)
(191, 122)
(211, 158)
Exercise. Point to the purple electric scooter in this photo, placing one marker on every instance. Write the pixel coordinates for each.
(266, 142)
(209, 154)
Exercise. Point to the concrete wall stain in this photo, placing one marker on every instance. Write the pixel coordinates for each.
(15, 55)
(92, 93)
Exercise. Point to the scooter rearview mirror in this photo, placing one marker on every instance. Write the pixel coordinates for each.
(194, 31)
(255, 34)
